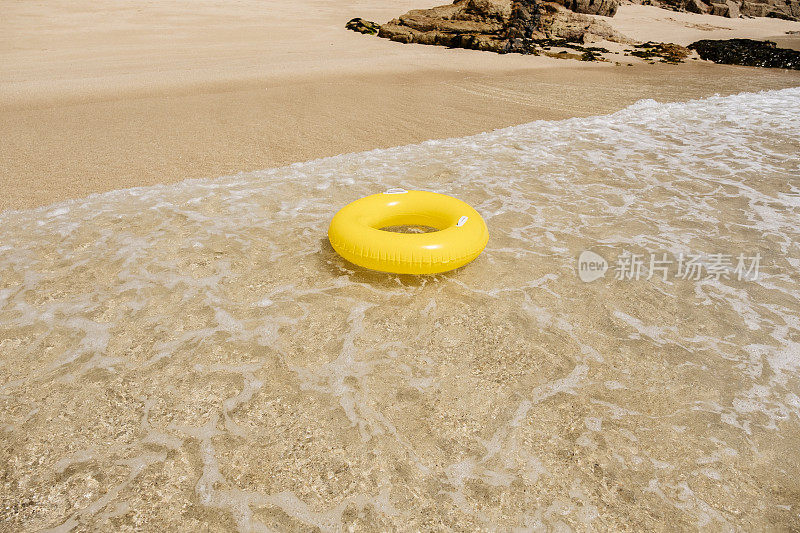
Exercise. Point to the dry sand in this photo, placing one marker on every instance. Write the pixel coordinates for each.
(648, 23)
(100, 96)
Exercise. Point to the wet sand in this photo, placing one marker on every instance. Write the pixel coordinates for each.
(70, 151)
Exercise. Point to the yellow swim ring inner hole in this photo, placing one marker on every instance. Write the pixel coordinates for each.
(410, 221)
(409, 229)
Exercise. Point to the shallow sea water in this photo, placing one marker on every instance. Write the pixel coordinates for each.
(196, 356)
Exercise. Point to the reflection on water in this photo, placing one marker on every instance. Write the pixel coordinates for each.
(197, 355)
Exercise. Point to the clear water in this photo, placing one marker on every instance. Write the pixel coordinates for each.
(196, 355)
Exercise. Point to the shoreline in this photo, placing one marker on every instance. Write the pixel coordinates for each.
(87, 111)
(67, 151)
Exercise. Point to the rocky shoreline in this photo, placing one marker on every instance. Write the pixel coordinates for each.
(781, 9)
(537, 27)
(501, 26)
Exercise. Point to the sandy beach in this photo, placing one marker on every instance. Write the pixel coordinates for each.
(96, 97)
(183, 354)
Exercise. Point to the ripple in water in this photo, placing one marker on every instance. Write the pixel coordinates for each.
(196, 355)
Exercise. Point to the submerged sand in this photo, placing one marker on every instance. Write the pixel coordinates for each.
(196, 357)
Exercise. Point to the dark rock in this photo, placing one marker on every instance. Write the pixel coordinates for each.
(783, 9)
(363, 26)
(781, 14)
(747, 52)
(667, 52)
(591, 7)
(697, 6)
(720, 10)
(523, 21)
(726, 9)
(503, 26)
(519, 45)
(755, 9)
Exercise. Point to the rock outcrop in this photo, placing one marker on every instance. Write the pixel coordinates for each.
(504, 26)
(556, 22)
(667, 52)
(363, 26)
(747, 52)
(728, 9)
(783, 9)
(607, 8)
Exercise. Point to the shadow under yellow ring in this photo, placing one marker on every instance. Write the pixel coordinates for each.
(355, 232)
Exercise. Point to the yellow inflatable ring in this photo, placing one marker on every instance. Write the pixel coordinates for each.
(355, 232)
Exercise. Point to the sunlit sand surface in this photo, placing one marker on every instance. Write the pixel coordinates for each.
(99, 95)
(195, 356)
